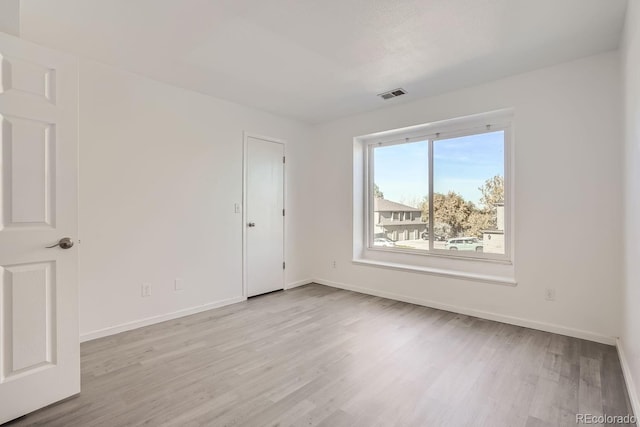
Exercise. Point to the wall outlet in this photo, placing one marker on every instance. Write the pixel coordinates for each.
(550, 294)
(333, 264)
(178, 284)
(146, 289)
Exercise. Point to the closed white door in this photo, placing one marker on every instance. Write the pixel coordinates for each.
(264, 216)
(39, 342)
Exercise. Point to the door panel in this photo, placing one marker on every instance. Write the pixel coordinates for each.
(28, 152)
(264, 214)
(28, 77)
(39, 341)
(28, 292)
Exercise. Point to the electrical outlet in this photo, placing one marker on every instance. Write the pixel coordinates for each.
(333, 264)
(178, 284)
(146, 289)
(550, 294)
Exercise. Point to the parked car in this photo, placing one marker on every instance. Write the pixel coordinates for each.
(425, 236)
(464, 244)
(383, 241)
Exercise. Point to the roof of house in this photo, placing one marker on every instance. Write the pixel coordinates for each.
(384, 205)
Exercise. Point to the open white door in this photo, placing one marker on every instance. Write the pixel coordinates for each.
(264, 215)
(39, 342)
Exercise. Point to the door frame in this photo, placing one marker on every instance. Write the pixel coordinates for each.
(245, 170)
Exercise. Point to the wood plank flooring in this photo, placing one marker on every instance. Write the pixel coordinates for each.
(315, 355)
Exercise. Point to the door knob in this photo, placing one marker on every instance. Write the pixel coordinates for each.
(64, 243)
(251, 224)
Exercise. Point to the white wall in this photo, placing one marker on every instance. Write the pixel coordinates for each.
(10, 17)
(568, 213)
(630, 337)
(160, 171)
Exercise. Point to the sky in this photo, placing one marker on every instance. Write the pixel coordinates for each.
(460, 164)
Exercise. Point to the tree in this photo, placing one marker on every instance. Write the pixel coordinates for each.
(424, 207)
(414, 202)
(492, 192)
(462, 217)
(450, 209)
(478, 221)
(377, 193)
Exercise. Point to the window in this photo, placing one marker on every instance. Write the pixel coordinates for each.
(442, 190)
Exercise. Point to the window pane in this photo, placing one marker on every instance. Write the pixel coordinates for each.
(400, 190)
(468, 200)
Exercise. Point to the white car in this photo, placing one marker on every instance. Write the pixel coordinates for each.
(384, 242)
(464, 244)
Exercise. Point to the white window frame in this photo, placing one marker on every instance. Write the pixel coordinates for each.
(435, 259)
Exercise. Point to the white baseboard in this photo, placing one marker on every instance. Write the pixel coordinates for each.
(532, 324)
(628, 379)
(547, 327)
(298, 283)
(112, 330)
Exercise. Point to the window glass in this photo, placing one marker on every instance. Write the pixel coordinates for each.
(400, 195)
(468, 195)
(468, 199)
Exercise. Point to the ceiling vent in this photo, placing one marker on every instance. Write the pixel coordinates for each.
(392, 93)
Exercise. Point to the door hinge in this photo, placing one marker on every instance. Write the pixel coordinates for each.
(283, 265)
(282, 212)
(283, 161)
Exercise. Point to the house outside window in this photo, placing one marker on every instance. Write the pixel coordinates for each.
(409, 226)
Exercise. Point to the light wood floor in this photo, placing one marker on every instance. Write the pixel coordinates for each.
(321, 356)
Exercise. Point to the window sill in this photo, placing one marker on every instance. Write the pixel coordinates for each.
(456, 255)
(499, 280)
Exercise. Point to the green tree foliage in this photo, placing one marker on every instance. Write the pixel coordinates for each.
(377, 193)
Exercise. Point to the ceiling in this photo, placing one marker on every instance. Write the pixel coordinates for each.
(320, 60)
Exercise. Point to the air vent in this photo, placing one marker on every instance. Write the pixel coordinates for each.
(392, 93)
